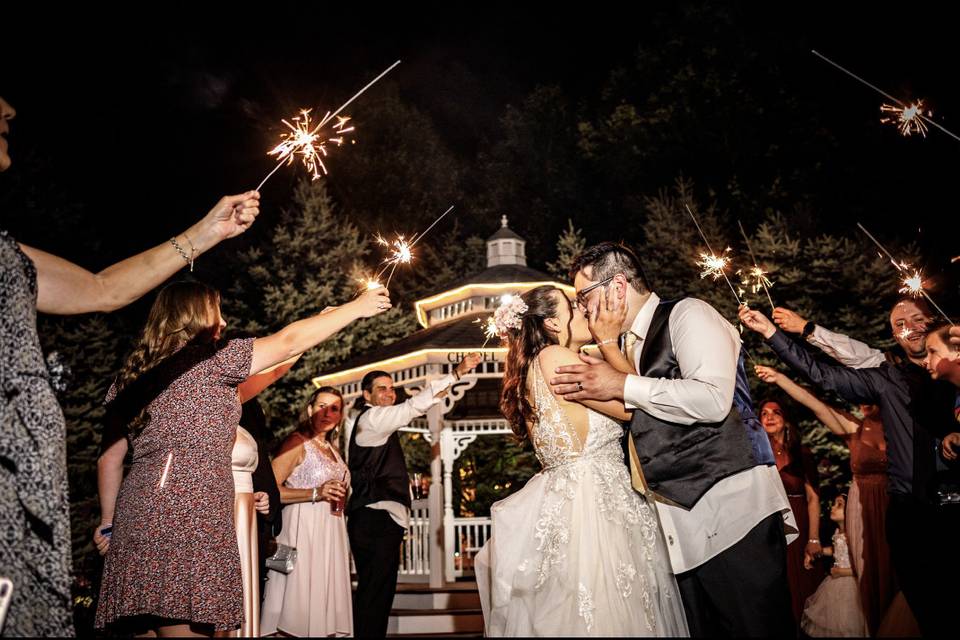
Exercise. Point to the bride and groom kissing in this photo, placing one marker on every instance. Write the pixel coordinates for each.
(689, 536)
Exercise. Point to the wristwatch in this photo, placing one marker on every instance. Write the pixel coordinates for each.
(808, 329)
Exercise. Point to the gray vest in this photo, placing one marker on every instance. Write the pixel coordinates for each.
(681, 462)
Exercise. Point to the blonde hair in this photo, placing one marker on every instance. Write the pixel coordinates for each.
(182, 313)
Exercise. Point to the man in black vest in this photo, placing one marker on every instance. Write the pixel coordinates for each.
(696, 448)
(379, 509)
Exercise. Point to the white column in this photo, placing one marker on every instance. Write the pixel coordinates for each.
(447, 456)
(436, 498)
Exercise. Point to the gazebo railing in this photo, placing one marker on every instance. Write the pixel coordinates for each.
(415, 550)
(470, 534)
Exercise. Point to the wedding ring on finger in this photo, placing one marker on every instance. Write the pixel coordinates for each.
(579, 386)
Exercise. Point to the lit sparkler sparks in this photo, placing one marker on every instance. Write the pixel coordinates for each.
(912, 282)
(711, 262)
(713, 265)
(490, 330)
(309, 143)
(401, 249)
(913, 113)
(756, 277)
(909, 120)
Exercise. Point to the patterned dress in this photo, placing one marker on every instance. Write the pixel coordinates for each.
(34, 508)
(577, 552)
(174, 548)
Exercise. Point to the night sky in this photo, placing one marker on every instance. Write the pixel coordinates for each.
(146, 118)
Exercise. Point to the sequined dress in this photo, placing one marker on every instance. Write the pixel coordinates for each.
(315, 599)
(577, 552)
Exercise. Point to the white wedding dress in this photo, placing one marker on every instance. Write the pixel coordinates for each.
(577, 552)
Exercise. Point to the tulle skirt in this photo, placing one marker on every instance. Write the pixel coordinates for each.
(577, 552)
(834, 610)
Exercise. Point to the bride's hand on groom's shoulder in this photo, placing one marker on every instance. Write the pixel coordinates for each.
(757, 321)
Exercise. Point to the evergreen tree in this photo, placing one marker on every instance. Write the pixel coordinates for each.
(570, 244)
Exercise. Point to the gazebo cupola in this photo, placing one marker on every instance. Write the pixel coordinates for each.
(506, 272)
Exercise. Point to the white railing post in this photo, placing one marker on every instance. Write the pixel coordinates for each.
(446, 453)
(436, 535)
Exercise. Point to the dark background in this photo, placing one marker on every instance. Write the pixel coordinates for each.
(144, 119)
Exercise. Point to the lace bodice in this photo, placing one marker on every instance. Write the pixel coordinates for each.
(555, 439)
(317, 468)
(841, 552)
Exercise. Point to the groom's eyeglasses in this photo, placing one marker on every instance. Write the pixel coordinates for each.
(582, 294)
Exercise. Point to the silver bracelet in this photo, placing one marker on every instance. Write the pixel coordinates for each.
(313, 498)
(183, 254)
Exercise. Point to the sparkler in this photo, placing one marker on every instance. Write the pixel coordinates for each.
(758, 275)
(912, 282)
(308, 143)
(489, 327)
(712, 264)
(906, 118)
(910, 116)
(401, 249)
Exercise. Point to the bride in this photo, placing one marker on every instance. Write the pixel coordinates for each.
(576, 552)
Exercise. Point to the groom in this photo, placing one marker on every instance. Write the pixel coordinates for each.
(695, 447)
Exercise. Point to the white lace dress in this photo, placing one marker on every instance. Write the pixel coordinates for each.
(577, 552)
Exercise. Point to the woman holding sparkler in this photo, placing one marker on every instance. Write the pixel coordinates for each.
(315, 598)
(798, 473)
(577, 552)
(34, 508)
(867, 502)
(173, 566)
(914, 411)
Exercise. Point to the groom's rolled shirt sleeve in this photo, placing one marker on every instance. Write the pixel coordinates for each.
(377, 424)
(707, 348)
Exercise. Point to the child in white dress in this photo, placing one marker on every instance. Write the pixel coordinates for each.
(834, 609)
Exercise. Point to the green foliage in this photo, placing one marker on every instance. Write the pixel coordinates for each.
(570, 244)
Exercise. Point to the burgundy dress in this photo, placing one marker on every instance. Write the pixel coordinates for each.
(866, 520)
(798, 470)
(174, 549)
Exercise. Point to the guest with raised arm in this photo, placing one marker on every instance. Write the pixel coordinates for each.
(173, 567)
(914, 411)
(867, 501)
(379, 508)
(34, 507)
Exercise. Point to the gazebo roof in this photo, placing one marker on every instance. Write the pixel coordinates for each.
(461, 334)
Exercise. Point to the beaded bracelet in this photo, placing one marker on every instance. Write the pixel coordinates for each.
(183, 254)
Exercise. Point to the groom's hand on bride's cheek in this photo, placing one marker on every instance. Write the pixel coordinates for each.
(594, 381)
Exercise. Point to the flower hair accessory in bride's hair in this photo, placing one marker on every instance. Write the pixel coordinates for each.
(508, 315)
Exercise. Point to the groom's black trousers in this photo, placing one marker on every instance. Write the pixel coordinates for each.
(742, 592)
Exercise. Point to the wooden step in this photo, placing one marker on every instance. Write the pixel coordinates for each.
(435, 621)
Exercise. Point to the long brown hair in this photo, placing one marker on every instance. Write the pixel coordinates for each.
(181, 314)
(305, 422)
(524, 345)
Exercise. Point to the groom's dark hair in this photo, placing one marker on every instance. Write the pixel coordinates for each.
(606, 260)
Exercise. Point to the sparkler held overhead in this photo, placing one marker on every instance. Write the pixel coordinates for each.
(308, 142)
(712, 264)
(912, 281)
(911, 118)
(401, 251)
(756, 277)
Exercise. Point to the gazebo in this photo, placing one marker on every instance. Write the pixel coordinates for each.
(438, 545)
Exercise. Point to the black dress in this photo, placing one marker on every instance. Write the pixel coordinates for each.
(34, 507)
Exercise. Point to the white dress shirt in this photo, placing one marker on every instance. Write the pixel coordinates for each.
(845, 350)
(707, 348)
(377, 424)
